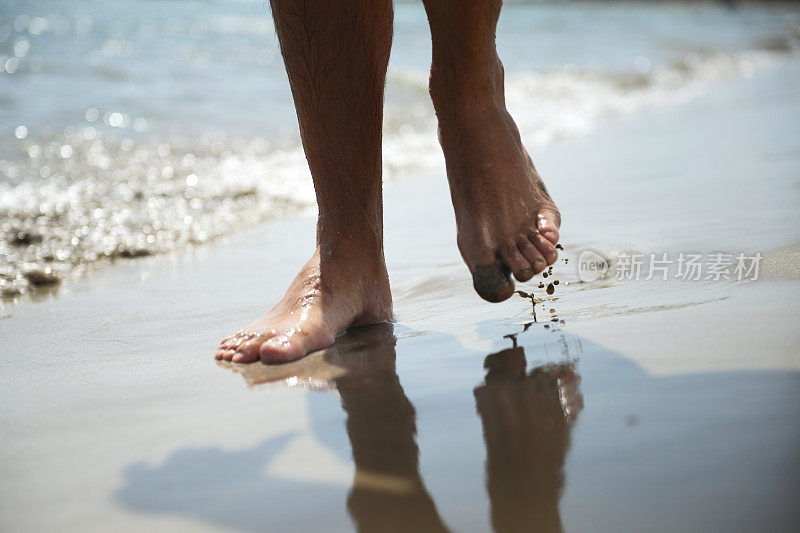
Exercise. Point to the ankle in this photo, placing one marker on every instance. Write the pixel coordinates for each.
(355, 272)
(359, 226)
(463, 90)
(353, 244)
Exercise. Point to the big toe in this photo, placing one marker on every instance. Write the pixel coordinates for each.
(493, 282)
(280, 350)
(285, 348)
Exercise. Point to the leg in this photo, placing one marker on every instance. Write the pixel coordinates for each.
(388, 493)
(336, 55)
(505, 217)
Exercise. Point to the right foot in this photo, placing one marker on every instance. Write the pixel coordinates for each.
(507, 222)
(333, 291)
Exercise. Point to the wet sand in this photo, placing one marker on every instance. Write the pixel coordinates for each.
(657, 405)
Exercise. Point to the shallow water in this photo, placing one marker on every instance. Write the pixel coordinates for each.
(545, 431)
(130, 129)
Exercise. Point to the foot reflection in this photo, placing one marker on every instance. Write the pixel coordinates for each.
(526, 419)
(387, 492)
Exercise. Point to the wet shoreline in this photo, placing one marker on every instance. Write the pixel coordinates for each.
(663, 405)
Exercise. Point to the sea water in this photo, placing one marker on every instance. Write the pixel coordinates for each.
(130, 128)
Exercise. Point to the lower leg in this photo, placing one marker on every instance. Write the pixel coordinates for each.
(506, 219)
(336, 55)
(388, 493)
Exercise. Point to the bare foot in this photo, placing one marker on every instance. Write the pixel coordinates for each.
(333, 291)
(507, 222)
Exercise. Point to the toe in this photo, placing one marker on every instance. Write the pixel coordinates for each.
(248, 351)
(280, 349)
(545, 247)
(229, 343)
(221, 345)
(492, 282)
(515, 261)
(533, 255)
(227, 355)
(548, 222)
(285, 348)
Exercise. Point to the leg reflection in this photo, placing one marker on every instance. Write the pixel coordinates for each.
(526, 425)
(388, 493)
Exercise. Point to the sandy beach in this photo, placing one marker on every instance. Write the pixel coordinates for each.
(664, 405)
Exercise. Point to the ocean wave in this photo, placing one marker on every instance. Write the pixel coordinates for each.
(554, 105)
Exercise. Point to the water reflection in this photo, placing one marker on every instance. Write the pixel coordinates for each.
(387, 493)
(526, 418)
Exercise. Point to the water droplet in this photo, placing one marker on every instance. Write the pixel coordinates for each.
(115, 120)
(38, 25)
(21, 47)
(11, 65)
